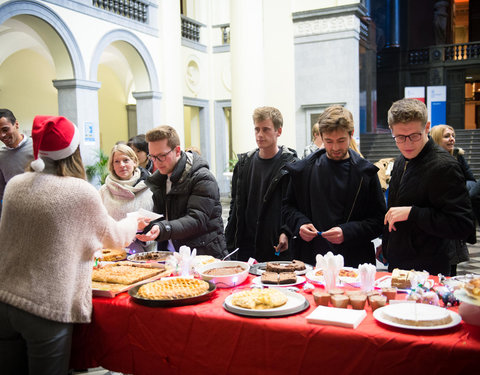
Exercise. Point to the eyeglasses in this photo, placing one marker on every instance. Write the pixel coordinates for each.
(160, 157)
(415, 137)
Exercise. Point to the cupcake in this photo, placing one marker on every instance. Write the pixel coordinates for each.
(377, 301)
(321, 298)
(390, 293)
(372, 293)
(339, 300)
(335, 291)
(358, 301)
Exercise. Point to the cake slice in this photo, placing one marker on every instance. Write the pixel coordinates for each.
(277, 267)
(287, 278)
(269, 278)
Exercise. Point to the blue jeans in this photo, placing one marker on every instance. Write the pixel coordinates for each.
(30, 344)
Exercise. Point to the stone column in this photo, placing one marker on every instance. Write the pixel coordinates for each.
(78, 101)
(148, 115)
(247, 70)
(171, 65)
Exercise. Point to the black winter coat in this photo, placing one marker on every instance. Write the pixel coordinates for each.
(269, 223)
(363, 214)
(434, 185)
(193, 207)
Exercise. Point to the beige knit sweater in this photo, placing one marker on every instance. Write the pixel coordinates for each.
(49, 229)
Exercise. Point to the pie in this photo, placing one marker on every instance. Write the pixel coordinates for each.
(417, 314)
(123, 273)
(473, 287)
(110, 255)
(259, 299)
(173, 288)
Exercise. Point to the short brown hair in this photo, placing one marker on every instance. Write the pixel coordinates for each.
(125, 150)
(407, 110)
(264, 113)
(163, 132)
(334, 118)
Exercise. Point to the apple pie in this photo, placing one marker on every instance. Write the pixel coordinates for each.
(126, 274)
(173, 288)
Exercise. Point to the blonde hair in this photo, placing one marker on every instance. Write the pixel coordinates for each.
(407, 110)
(334, 118)
(264, 113)
(71, 166)
(437, 131)
(163, 132)
(354, 146)
(125, 150)
(315, 130)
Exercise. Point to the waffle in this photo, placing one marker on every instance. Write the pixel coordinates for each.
(119, 273)
(259, 299)
(174, 288)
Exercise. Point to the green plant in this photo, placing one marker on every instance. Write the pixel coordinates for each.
(232, 163)
(99, 169)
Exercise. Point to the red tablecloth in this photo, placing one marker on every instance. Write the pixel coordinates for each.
(206, 339)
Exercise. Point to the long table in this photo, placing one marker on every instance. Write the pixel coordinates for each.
(206, 339)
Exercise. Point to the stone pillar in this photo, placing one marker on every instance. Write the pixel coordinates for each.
(171, 63)
(78, 101)
(147, 110)
(247, 70)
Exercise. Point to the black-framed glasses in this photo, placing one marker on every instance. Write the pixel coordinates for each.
(160, 157)
(414, 137)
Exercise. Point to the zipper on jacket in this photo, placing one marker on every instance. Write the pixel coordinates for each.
(355, 200)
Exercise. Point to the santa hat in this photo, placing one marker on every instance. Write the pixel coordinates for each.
(53, 137)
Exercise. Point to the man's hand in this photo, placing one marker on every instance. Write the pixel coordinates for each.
(142, 222)
(396, 214)
(308, 232)
(150, 236)
(282, 243)
(334, 235)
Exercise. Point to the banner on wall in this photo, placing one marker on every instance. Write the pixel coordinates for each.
(415, 92)
(437, 104)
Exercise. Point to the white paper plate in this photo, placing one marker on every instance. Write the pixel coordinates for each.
(347, 280)
(295, 303)
(258, 281)
(378, 315)
(463, 296)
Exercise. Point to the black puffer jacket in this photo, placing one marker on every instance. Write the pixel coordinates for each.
(434, 185)
(364, 211)
(193, 207)
(269, 221)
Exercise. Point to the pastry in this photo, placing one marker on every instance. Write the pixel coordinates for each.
(377, 301)
(298, 265)
(340, 301)
(110, 255)
(277, 267)
(417, 314)
(120, 273)
(173, 288)
(390, 293)
(321, 297)
(259, 299)
(358, 301)
(402, 279)
(473, 287)
(287, 278)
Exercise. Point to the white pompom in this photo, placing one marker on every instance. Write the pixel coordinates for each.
(38, 165)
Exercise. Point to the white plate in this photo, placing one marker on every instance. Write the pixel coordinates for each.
(378, 315)
(347, 280)
(295, 303)
(258, 281)
(462, 296)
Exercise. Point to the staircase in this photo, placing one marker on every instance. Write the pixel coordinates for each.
(382, 145)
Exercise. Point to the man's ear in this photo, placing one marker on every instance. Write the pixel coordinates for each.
(427, 127)
(279, 131)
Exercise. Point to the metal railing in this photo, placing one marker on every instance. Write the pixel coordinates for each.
(449, 52)
(134, 9)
